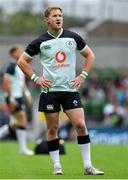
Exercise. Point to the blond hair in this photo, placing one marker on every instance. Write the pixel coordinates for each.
(49, 9)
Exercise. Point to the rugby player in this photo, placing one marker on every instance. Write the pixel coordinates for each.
(14, 85)
(57, 51)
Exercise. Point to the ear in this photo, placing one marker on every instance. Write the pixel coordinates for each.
(46, 19)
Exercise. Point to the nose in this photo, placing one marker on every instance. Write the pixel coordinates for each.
(58, 17)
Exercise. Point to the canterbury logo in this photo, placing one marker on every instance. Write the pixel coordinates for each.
(60, 56)
(50, 107)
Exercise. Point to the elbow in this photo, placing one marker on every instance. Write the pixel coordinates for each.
(20, 63)
(92, 56)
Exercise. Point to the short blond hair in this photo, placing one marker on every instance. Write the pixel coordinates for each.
(49, 9)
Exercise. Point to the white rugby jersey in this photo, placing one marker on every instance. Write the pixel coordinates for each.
(58, 57)
(17, 79)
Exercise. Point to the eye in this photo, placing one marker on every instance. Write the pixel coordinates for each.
(55, 16)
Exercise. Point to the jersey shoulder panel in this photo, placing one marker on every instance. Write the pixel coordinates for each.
(11, 68)
(34, 47)
(78, 39)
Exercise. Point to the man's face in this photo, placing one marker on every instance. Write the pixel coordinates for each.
(55, 19)
(16, 54)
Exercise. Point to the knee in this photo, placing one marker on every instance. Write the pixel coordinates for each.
(52, 130)
(80, 126)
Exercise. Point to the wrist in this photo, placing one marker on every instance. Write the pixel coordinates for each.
(84, 74)
(34, 77)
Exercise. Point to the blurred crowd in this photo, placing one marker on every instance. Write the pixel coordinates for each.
(106, 100)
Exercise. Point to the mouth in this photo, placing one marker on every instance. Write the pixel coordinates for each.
(58, 23)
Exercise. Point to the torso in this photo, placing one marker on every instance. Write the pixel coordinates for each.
(58, 57)
(17, 80)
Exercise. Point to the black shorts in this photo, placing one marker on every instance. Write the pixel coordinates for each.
(20, 105)
(52, 101)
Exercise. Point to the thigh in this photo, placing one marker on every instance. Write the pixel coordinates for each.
(20, 106)
(49, 103)
(71, 100)
(52, 119)
(77, 117)
(21, 117)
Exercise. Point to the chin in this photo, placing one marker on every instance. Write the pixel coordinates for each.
(60, 27)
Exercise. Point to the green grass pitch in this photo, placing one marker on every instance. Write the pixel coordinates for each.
(113, 159)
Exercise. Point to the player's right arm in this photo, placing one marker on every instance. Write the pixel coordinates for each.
(24, 61)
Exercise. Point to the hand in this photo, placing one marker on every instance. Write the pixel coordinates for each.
(13, 104)
(43, 82)
(76, 83)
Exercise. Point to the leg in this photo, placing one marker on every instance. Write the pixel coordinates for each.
(21, 132)
(8, 129)
(4, 129)
(21, 118)
(52, 121)
(49, 103)
(78, 120)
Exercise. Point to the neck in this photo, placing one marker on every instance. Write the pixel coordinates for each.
(55, 32)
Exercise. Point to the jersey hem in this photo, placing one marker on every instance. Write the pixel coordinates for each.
(59, 90)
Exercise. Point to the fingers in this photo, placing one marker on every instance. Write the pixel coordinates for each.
(72, 81)
(44, 83)
(75, 84)
(78, 87)
(47, 83)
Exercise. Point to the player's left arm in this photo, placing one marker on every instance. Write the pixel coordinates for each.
(89, 56)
